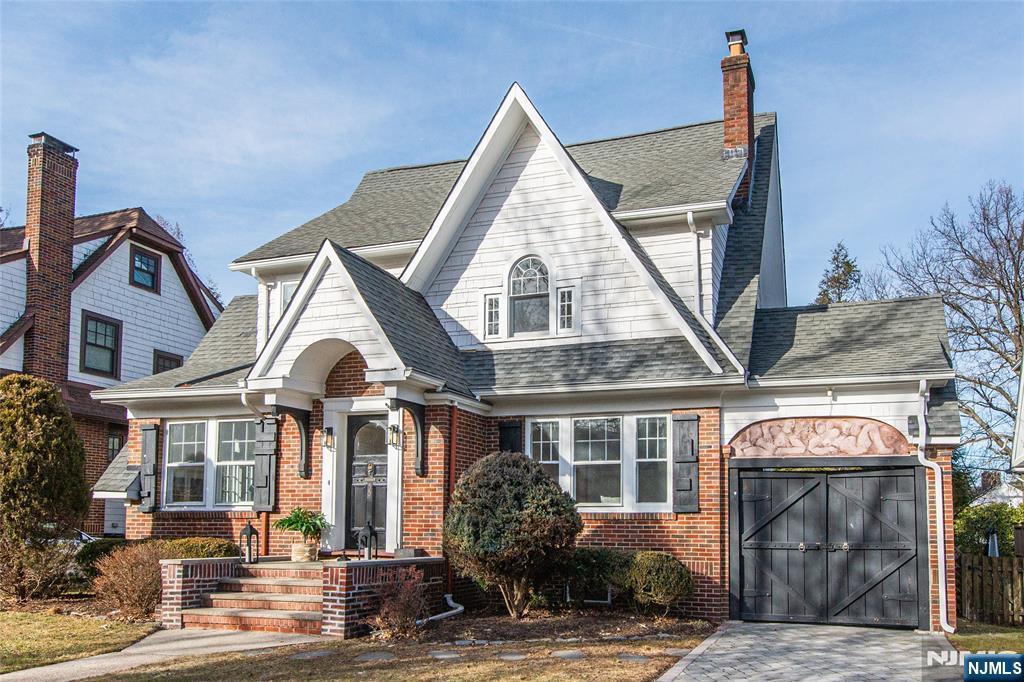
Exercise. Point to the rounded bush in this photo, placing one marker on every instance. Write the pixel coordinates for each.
(657, 579)
(200, 548)
(129, 580)
(972, 525)
(508, 524)
(91, 552)
(590, 570)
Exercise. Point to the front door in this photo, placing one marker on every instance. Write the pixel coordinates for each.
(367, 476)
(830, 546)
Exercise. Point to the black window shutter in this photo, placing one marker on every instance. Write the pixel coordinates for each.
(265, 466)
(684, 463)
(150, 438)
(510, 436)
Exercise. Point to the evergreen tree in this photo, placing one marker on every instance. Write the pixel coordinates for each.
(841, 279)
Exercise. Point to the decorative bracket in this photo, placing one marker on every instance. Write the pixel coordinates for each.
(418, 414)
(301, 418)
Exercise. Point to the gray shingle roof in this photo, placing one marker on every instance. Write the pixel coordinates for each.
(944, 411)
(641, 360)
(119, 476)
(221, 358)
(408, 321)
(648, 170)
(870, 338)
(737, 293)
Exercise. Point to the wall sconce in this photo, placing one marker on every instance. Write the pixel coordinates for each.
(328, 438)
(395, 436)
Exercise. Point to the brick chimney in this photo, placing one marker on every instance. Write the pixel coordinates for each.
(738, 106)
(49, 231)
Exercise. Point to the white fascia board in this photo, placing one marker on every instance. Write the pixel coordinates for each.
(622, 386)
(326, 259)
(116, 397)
(304, 259)
(942, 377)
(106, 495)
(720, 211)
(460, 401)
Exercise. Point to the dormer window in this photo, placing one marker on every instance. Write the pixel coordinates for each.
(529, 300)
(145, 272)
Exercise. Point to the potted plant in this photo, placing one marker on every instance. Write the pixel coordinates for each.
(311, 525)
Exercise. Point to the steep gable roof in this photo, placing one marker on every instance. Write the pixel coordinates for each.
(670, 167)
(12, 239)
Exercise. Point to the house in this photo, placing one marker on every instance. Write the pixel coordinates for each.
(996, 490)
(617, 310)
(91, 302)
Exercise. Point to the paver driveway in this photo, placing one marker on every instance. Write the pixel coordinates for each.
(783, 651)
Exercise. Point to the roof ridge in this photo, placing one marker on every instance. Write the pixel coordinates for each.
(83, 217)
(850, 304)
(612, 138)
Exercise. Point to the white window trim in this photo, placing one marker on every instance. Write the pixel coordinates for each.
(504, 294)
(217, 463)
(627, 460)
(574, 330)
(487, 299)
(209, 468)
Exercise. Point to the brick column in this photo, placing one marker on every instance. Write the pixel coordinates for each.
(944, 458)
(185, 581)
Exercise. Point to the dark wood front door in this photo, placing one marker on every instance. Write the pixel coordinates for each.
(367, 476)
(830, 547)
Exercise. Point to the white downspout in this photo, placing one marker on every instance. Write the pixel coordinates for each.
(940, 512)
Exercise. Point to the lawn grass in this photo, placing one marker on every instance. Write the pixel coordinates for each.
(30, 639)
(984, 637)
(412, 662)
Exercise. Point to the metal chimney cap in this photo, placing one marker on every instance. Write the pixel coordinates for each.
(736, 36)
(51, 141)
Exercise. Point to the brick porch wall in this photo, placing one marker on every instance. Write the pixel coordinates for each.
(185, 581)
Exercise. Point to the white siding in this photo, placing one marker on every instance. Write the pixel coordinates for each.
(12, 292)
(892, 404)
(166, 321)
(671, 249)
(772, 289)
(85, 249)
(532, 207)
(14, 358)
(331, 313)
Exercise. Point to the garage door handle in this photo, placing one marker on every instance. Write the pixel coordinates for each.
(804, 546)
(833, 546)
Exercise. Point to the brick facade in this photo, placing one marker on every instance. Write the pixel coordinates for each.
(738, 113)
(94, 433)
(944, 458)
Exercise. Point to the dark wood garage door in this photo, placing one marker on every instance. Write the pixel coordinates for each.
(831, 547)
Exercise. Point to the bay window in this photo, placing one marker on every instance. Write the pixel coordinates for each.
(209, 463)
(618, 463)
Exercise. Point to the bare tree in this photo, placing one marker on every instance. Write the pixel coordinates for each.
(3, 216)
(842, 277)
(174, 229)
(977, 266)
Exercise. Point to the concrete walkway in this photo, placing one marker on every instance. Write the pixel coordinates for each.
(159, 646)
(783, 651)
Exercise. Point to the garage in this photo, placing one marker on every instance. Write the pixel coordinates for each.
(829, 540)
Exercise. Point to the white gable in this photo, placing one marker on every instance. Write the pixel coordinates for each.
(331, 312)
(532, 206)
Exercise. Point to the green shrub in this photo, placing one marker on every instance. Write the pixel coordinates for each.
(591, 570)
(129, 580)
(200, 548)
(657, 579)
(508, 524)
(92, 552)
(972, 524)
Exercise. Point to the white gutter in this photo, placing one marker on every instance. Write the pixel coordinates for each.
(698, 294)
(940, 512)
(114, 396)
(757, 382)
(250, 407)
(630, 386)
(304, 259)
(672, 211)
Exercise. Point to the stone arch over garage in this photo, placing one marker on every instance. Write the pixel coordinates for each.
(819, 437)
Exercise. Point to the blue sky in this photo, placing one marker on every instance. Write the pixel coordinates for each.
(243, 120)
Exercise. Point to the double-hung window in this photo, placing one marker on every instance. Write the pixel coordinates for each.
(236, 442)
(544, 446)
(651, 460)
(566, 309)
(101, 345)
(145, 272)
(492, 315)
(186, 463)
(597, 460)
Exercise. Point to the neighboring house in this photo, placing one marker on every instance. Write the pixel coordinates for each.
(91, 302)
(615, 309)
(996, 490)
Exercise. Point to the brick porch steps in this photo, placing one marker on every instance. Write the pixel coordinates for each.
(263, 600)
(263, 620)
(280, 596)
(272, 585)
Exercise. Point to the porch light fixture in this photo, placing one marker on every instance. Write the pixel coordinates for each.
(395, 436)
(249, 544)
(327, 440)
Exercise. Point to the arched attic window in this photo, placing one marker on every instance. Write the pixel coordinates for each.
(529, 299)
